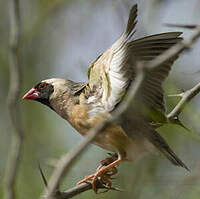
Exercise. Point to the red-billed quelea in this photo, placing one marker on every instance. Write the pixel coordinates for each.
(84, 105)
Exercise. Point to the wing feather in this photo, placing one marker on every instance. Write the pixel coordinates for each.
(118, 65)
(112, 62)
(112, 72)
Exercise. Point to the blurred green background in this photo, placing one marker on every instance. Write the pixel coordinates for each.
(60, 39)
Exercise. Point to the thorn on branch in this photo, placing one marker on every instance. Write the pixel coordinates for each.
(56, 193)
(43, 177)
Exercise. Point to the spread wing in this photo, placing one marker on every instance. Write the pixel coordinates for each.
(112, 72)
(146, 49)
(108, 74)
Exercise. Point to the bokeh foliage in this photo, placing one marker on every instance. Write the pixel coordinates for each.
(60, 38)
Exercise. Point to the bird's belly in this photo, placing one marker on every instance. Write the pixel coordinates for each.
(113, 138)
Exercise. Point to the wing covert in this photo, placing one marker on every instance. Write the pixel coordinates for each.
(112, 72)
(109, 73)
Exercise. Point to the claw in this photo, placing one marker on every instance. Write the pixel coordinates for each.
(106, 169)
(107, 161)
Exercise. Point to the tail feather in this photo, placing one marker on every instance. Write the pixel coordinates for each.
(165, 149)
(173, 157)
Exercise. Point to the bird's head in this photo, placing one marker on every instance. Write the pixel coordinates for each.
(50, 91)
(47, 90)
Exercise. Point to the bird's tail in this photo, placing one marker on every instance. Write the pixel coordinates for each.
(165, 149)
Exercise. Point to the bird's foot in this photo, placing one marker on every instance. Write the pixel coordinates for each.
(104, 173)
(107, 161)
(103, 178)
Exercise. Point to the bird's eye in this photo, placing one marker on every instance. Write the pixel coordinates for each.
(42, 86)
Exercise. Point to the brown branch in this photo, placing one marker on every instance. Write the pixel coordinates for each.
(13, 95)
(66, 161)
(82, 188)
(185, 98)
(74, 191)
(100, 184)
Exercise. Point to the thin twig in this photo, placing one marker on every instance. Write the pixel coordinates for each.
(66, 161)
(13, 95)
(185, 98)
(82, 188)
(188, 26)
(74, 191)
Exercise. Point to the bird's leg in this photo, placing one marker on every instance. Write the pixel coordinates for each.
(85, 180)
(107, 161)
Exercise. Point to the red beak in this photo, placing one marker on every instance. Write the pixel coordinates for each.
(31, 95)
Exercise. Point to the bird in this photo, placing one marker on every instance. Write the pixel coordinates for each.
(85, 104)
